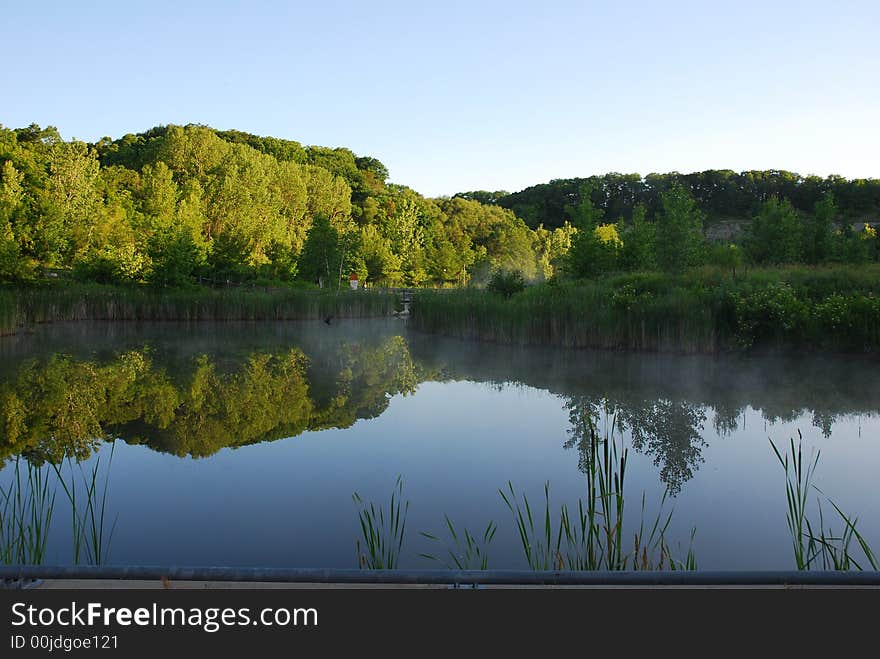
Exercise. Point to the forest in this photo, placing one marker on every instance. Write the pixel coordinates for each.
(179, 206)
(721, 194)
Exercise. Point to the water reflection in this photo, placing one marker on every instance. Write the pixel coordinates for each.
(481, 415)
(664, 402)
(668, 431)
(60, 406)
(192, 394)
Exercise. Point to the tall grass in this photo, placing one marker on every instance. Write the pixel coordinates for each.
(574, 316)
(26, 508)
(466, 551)
(593, 537)
(88, 506)
(834, 308)
(817, 545)
(382, 531)
(27, 306)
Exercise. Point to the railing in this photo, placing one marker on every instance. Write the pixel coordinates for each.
(21, 574)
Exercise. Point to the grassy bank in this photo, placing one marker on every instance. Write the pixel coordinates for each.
(25, 306)
(707, 311)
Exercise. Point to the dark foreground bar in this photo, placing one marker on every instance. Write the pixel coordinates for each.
(337, 613)
(441, 577)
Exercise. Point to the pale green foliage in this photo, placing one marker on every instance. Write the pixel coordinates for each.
(608, 234)
(159, 196)
(551, 247)
(322, 254)
(382, 264)
(73, 178)
(11, 190)
(12, 264)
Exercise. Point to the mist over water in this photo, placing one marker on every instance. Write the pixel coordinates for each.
(242, 443)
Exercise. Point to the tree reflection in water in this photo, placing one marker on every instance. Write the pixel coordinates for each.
(669, 431)
(196, 395)
(63, 407)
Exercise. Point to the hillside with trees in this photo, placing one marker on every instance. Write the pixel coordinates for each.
(180, 205)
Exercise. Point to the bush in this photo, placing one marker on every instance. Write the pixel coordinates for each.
(506, 282)
(794, 308)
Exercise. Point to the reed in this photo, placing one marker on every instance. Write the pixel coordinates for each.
(592, 537)
(817, 545)
(28, 306)
(465, 551)
(382, 531)
(698, 312)
(26, 507)
(88, 506)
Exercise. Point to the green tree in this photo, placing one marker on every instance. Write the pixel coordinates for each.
(849, 246)
(12, 265)
(726, 255)
(73, 191)
(818, 231)
(776, 234)
(592, 251)
(552, 247)
(282, 264)
(679, 240)
(321, 254)
(11, 190)
(382, 264)
(227, 259)
(159, 196)
(639, 242)
(175, 257)
(585, 214)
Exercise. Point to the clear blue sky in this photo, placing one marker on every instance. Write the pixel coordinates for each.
(455, 96)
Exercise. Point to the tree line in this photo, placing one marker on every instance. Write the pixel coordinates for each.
(675, 239)
(178, 204)
(720, 195)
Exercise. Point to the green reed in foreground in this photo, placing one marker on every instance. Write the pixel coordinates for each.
(26, 507)
(91, 537)
(382, 531)
(467, 551)
(817, 545)
(592, 537)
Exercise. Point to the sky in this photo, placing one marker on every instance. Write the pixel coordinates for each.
(454, 96)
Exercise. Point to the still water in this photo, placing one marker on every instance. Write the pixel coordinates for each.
(241, 444)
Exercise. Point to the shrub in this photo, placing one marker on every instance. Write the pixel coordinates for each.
(506, 282)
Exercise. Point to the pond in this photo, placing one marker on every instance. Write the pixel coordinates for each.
(242, 443)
